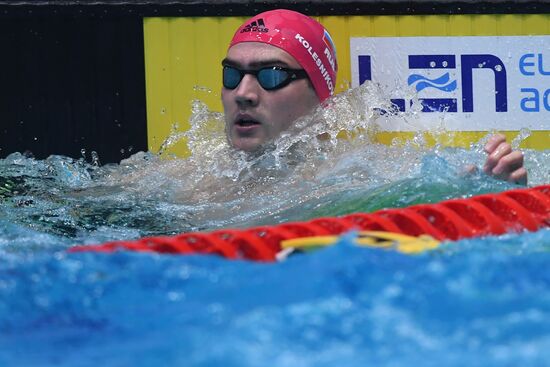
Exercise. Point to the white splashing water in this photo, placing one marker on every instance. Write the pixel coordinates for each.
(326, 159)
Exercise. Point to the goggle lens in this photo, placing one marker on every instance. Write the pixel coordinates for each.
(231, 77)
(273, 78)
(270, 78)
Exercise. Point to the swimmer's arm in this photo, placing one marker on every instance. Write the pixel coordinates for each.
(503, 162)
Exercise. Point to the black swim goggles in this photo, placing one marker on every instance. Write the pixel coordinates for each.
(269, 78)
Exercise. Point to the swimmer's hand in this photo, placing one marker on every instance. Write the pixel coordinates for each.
(503, 162)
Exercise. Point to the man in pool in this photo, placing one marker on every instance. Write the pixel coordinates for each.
(280, 65)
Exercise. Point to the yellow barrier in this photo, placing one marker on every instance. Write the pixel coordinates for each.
(183, 55)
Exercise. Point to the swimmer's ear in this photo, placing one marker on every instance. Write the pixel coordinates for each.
(310, 84)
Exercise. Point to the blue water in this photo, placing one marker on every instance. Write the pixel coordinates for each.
(477, 302)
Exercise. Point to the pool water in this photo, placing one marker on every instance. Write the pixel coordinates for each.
(476, 302)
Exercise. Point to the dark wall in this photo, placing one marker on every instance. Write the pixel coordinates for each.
(72, 83)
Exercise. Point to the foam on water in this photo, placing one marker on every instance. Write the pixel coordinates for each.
(480, 302)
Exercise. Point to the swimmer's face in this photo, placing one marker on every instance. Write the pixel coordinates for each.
(253, 115)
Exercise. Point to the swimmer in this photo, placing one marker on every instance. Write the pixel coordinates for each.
(280, 65)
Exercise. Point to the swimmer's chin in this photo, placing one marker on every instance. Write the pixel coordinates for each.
(248, 145)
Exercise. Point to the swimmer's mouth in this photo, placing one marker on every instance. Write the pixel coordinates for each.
(246, 122)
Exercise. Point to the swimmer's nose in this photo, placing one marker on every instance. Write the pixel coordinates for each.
(247, 92)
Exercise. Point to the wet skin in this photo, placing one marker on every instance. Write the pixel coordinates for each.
(254, 116)
(503, 162)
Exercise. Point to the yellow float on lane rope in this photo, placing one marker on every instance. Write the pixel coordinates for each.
(376, 239)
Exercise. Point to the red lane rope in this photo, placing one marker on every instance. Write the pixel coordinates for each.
(488, 214)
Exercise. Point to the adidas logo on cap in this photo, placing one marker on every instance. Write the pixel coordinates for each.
(255, 26)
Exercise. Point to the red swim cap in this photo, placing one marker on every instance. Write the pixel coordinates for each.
(302, 37)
